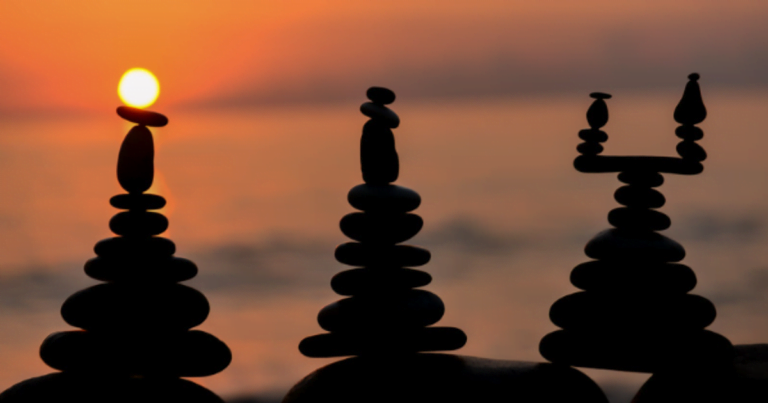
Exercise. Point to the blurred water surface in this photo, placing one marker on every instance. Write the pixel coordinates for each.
(255, 196)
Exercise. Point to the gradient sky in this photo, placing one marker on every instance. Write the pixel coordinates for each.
(69, 54)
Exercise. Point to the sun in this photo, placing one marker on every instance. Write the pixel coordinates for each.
(138, 88)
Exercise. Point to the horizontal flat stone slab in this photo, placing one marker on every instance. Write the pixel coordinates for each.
(147, 271)
(383, 343)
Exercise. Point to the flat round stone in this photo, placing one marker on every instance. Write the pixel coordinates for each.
(383, 342)
(638, 219)
(691, 133)
(642, 178)
(639, 197)
(378, 280)
(627, 277)
(358, 254)
(593, 135)
(623, 246)
(381, 228)
(135, 248)
(383, 198)
(137, 201)
(151, 354)
(151, 271)
(381, 114)
(135, 162)
(691, 151)
(142, 117)
(378, 157)
(590, 311)
(589, 148)
(115, 306)
(380, 95)
(408, 309)
(138, 223)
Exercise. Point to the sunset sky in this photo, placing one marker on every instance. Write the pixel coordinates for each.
(68, 55)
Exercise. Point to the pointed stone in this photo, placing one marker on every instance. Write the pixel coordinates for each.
(691, 109)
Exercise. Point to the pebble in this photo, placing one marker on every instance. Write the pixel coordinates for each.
(137, 249)
(142, 117)
(589, 148)
(624, 246)
(135, 163)
(640, 219)
(381, 114)
(138, 223)
(639, 197)
(642, 178)
(597, 114)
(383, 342)
(378, 157)
(408, 309)
(115, 306)
(378, 280)
(381, 228)
(691, 133)
(691, 151)
(152, 354)
(625, 277)
(617, 311)
(380, 95)
(143, 201)
(593, 135)
(691, 110)
(383, 198)
(357, 254)
(153, 271)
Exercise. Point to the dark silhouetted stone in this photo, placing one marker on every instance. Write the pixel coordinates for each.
(383, 343)
(641, 197)
(381, 228)
(135, 247)
(642, 178)
(137, 201)
(691, 133)
(593, 135)
(639, 219)
(620, 278)
(380, 95)
(691, 111)
(589, 148)
(691, 150)
(135, 164)
(383, 198)
(138, 223)
(114, 306)
(597, 114)
(378, 280)
(172, 269)
(381, 114)
(378, 158)
(358, 254)
(409, 309)
(615, 244)
(142, 117)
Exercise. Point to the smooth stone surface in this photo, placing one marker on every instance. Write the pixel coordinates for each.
(379, 162)
(616, 244)
(638, 219)
(642, 178)
(590, 311)
(639, 197)
(142, 117)
(383, 198)
(382, 343)
(408, 309)
(421, 378)
(380, 95)
(597, 114)
(185, 354)
(622, 277)
(142, 201)
(625, 163)
(131, 223)
(97, 388)
(135, 248)
(589, 148)
(692, 151)
(381, 228)
(357, 254)
(128, 307)
(593, 135)
(691, 133)
(153, 271)
(378, 280)
(381, 114)
(136, 161)
(637, 351)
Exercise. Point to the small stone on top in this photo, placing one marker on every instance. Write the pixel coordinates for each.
(600, 95)
(693, 76)
(380, 95)
(142, 117)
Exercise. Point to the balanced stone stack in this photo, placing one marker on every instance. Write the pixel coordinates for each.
(635, 312)
(136, 341)
(385, 313)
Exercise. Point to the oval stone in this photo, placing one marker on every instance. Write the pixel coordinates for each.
(136, 249)
(380, 95)
(366, 281)
(383, 342)
(138, 223)
(642, 178)
(589, 148)
(358, 254)
(638, 219)
(691, 151)
(639, 197)
(142, 117)
(378, 157)
(383, 198)
(381, 228)
(593, 135)
(135, 162)
(380, 113)
(172, 269)
(619, 245)
(691, 133)
(626, 277)
(137, 201)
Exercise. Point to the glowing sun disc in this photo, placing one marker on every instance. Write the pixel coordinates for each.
(138, 88)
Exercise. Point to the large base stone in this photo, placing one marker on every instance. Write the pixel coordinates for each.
(443, 378)
(82, 388)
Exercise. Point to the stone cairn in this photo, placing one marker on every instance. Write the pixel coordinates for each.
(635, 313)
(385, 313)
(136, 341)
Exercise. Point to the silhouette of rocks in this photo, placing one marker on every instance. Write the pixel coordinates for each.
(136, 339)
(634, 313)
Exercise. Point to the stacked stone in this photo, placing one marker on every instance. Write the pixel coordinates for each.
(136, 325)
(385, 313)
(597, 116)
(635, 312)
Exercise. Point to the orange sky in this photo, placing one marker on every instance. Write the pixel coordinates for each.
(69, 54)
